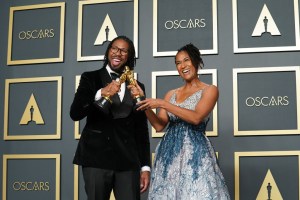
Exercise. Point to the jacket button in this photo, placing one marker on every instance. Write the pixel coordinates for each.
(108, 138)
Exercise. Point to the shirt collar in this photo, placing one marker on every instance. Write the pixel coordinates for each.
(110, 71)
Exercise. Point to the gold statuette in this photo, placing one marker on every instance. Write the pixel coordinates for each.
(130, 80)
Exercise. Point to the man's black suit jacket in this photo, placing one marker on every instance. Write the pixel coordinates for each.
(118, 140)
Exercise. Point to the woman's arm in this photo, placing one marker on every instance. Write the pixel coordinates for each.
(203, 108)
(158, 121)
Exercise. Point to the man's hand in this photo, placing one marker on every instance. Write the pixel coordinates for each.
(111, 89)
(145, 181)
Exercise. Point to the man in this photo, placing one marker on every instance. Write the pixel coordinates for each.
(114, 148)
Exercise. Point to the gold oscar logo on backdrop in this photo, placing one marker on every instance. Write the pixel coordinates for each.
(36, 34)
(269, 189)
(267, 101)
(107, 32)
(31, 186)
(265, 24)
(185, 24)
(32, 113)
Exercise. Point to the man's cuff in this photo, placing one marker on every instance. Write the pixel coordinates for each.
(146, 168)
(98, 95)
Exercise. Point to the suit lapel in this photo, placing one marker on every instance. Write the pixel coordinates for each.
(104, 76)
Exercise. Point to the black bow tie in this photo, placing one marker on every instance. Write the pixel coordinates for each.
(114, 76)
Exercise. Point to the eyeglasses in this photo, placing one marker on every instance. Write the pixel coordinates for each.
(115, 49)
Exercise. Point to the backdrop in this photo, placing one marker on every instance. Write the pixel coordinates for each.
(250, 50)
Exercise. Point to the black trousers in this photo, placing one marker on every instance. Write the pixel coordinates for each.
(100, 182)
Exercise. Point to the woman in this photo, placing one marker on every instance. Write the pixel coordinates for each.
(185, 166)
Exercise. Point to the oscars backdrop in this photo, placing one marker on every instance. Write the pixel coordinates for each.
(250, 50)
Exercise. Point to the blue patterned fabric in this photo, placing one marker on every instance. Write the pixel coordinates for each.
(185, 165)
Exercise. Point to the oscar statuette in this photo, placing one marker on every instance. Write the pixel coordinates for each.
(105, 102)
(130, 80)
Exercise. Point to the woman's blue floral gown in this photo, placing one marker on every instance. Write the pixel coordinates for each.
(185, 165)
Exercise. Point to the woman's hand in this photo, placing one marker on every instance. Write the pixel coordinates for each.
(135, 90)
(150, 104)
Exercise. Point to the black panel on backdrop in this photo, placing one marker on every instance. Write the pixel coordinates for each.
(121, 16)
(38, 29)
(45, 94)
(26, 180)
(267, 101)
(280, 12)
(253, 171)
(181, 22)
